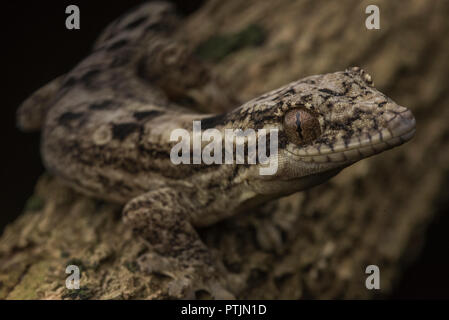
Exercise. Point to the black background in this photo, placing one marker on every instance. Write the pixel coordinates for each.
(36, 48)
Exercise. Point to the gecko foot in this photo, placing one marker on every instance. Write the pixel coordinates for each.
(161, 217)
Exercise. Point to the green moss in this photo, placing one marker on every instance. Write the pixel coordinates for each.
(83, 293)
(30, 281)
(34, 203)
(219, 46)
(132, 266)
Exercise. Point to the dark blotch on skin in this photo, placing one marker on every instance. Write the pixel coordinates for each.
(88, 76)
(306, 98)
(375, 124)
(211, 122)
(117, 45)
(120, 61)
(346, 139)
(158, 27)
(67, 117)
(289, 92)
(347, 136)
(146, 114)
(122, 130)
(103, 105)
(135, 23)
(328, 91)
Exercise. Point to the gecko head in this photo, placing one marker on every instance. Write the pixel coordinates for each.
(328, 122)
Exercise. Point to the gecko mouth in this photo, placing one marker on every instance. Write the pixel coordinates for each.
(400, 127)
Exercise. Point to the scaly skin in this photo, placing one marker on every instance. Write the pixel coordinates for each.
(107, 125)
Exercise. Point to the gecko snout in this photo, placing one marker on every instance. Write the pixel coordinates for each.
(400, 126)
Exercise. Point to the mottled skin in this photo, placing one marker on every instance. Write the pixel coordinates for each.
(107, 123)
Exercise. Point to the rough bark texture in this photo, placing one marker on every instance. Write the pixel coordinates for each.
(314, 244)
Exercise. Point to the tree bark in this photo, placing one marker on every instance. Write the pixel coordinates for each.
(315, 244)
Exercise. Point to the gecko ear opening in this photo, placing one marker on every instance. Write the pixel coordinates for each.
(301, 126)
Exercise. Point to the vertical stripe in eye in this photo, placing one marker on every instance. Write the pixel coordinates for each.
(298, 124)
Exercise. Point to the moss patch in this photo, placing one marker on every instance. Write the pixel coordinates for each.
(132, 266)
(34, 203)
(29, 285)
(219, 46)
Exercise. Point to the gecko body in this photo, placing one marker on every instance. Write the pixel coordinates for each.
(106, 129)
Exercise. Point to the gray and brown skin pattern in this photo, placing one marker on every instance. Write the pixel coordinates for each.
(107, 123)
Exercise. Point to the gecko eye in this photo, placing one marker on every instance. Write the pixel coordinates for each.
(301, 126)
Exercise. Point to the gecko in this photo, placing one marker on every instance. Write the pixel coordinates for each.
(106, 128)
